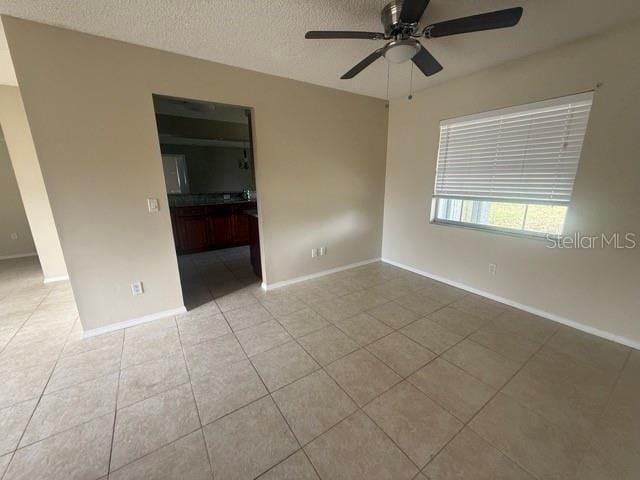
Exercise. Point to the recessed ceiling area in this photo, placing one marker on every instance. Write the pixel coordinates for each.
(269, 36)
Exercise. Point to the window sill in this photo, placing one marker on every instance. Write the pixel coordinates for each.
(498, 230)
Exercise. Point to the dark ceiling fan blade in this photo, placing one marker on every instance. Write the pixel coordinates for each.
(322, 34)
(426, 62)
(363, 64)
(475, 23)
(412, 10)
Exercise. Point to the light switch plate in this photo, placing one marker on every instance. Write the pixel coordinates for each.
(153, 205)
(137, 288)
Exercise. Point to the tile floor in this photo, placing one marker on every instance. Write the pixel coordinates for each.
(371, 373)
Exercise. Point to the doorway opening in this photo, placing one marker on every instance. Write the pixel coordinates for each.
(207, 158)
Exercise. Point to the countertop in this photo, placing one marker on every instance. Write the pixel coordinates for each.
(200, 203)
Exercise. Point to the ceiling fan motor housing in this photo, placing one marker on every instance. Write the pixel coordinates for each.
(393, 26)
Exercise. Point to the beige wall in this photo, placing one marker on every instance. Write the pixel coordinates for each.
(12, 217)
(597, 288)
(32, 188)
(319, 155)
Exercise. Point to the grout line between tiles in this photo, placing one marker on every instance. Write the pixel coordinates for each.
(35, 408)
(115, 413)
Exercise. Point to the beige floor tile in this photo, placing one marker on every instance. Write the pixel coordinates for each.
(363, 329)
(77, 344)
(589, 349)
(4, 463)
(419, 303)
(394, 315)
(310, 293)
(302, 322)
(482, 363)
(414, 422)
(248, 442)
(479, 306)
(226, 389)
(207, 309)
(152, 423)
(509, 346)
(148, 379)
(185, 458)
(82, 367)
(70, 407)
(357, 448)
(335, 309)
(205, 357)
(569, 394)
(469, 457)
(248, 316)
(401, 354)
(457, 321)
(362, 376)
(142, 347)
(296, 467)
(23, 385)
(82, 452)
(615, 447)
(262, 337)
(452, 388)
(444, 293)
(395, 288)
(338, 286)
(284, 364)
(431, 335)
(312, 405)
(13, 421)
(537, 445)
(200, 329)
(283, 305)
(148, 327)
(327, 344)
(235, 300)
(19, 357)
(365, 300)
(522, 325)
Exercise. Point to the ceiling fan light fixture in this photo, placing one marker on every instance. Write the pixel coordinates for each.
(401, 51)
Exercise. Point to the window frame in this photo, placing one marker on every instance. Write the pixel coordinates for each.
(520, 233)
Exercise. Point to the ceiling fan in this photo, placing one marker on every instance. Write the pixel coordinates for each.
(401, 19)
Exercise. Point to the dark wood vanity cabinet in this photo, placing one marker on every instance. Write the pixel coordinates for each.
(208, 227)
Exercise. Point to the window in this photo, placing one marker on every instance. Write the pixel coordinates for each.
(513, 169)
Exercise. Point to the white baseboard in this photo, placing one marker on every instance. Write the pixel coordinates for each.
(284, 283)
(133, 322)
(536, 311)
(18, 255)
(61, 278)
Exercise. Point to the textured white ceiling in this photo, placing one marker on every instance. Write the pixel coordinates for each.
(268, 35)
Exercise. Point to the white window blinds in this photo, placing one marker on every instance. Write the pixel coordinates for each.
(528, 153)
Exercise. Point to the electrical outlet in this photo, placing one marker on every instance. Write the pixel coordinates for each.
(492, 268)
(323, 251)
(314, 252)
(14, 236)
(137, 288)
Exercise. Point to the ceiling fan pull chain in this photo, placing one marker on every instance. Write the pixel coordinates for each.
(388, 69)
(410, 97)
